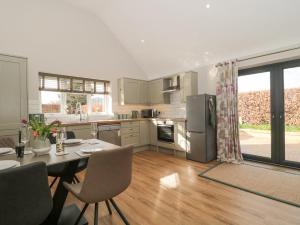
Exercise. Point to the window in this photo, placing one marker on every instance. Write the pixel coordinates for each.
(70, 95)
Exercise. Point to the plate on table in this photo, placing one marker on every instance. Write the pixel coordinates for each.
(5, 150)
(92, 141)
(89, 150)
(6, 164)
(72, 141)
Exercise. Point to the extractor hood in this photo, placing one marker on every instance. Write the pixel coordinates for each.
(171, 84)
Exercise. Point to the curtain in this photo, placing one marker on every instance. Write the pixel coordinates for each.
(228, 142)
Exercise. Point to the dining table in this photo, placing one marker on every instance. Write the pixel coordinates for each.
(61, 214)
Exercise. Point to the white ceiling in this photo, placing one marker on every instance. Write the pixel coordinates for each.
(183, 34)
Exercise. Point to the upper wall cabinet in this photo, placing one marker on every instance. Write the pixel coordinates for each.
(156, 94)
(132, 91)
(189, 85)
(13, 94)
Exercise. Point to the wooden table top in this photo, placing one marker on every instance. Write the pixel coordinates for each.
(52, 158)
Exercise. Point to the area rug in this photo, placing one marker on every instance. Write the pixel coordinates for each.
(271, 182)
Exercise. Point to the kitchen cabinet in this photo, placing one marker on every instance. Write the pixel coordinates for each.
(188, 85)
(132, 91)
(13, 94)
(143, 92)
(144, 132)
(130, 133)
(81, 131)
(153, 132)
(156, 96)
(180, 136)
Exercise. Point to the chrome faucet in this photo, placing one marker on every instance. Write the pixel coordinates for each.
(78, 110)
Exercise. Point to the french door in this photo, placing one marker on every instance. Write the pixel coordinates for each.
(269, 113)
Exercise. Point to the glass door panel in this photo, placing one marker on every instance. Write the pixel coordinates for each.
(254, 104)
(291, 79)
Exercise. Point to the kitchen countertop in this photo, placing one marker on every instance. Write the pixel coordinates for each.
(117, 121)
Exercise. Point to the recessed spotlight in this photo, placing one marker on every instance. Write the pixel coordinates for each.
(206, 53)
(142, 41)
(207, 5)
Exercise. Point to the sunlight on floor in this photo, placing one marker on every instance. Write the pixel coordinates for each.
(170, 181)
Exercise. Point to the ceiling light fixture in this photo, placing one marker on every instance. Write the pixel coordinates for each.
(142, 41)
(207, 5)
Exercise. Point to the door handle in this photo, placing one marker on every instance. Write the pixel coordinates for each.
(273, 115)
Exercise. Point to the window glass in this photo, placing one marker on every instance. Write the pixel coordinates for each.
(65, 84)
(51, 102)
(77, 85)
(97, 103)
(89, 86)
(51, 82)
(76, 103)
(100, 87)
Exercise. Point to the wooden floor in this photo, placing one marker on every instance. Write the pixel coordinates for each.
(166, 190)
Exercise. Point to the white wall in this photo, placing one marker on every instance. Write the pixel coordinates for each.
(59, 38)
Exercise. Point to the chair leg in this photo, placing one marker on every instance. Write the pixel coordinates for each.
(96, 214)
(53, 182)
(108, 207)
(119, 211)
(76, 178)
(81, 213)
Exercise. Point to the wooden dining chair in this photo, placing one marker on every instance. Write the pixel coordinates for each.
(108, 174)
(24, 195)
(57, 171)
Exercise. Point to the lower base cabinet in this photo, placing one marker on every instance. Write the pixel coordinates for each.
(81, 132)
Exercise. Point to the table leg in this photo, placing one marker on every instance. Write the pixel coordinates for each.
(61, 193)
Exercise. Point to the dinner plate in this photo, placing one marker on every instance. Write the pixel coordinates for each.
(6, 164)
(5, 150)
(89, 150)
(72, 141)
(92, 141)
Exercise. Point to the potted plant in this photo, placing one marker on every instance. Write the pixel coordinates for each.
(40, 133)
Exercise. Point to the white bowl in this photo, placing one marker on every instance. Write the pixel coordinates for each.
(41, 151)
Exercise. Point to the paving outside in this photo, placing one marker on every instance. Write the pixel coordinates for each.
(258, 142)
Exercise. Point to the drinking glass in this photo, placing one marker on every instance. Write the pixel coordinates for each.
(63, 134)
(94, 130)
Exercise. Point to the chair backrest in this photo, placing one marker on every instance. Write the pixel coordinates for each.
(70, 135)
(24, 195)
(108, 174)
(6, 142)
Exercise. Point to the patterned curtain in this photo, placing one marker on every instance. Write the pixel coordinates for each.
(228, 141)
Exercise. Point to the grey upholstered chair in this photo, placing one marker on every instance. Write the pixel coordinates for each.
(6, 142)
(24, 195)
(108, 174)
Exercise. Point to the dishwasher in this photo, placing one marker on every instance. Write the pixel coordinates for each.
(110, 134)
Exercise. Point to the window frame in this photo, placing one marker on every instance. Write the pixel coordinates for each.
(64, 92)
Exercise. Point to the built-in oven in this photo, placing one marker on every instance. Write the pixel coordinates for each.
(165, 131)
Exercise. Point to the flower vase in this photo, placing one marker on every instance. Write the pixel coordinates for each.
(41, 145)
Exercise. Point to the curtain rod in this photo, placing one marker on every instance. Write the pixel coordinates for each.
(254, 57)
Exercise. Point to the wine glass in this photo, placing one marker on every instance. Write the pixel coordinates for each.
(94, 130)
(63, 134)
(25, 135)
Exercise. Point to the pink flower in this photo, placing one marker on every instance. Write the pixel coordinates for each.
(24, 121)
(53, 130)
(35, 133)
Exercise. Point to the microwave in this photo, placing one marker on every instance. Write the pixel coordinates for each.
(149, 113)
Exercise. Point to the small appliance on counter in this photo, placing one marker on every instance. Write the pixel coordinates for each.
(201, 127)
(134, 114)
(149, 113)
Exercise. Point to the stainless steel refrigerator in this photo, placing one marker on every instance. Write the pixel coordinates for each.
(201, 127)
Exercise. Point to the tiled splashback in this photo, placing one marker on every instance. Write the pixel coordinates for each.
(174, 110)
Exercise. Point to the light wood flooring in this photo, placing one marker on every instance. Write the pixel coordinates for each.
(166, 190)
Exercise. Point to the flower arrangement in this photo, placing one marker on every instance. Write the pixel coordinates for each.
(41, 129)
